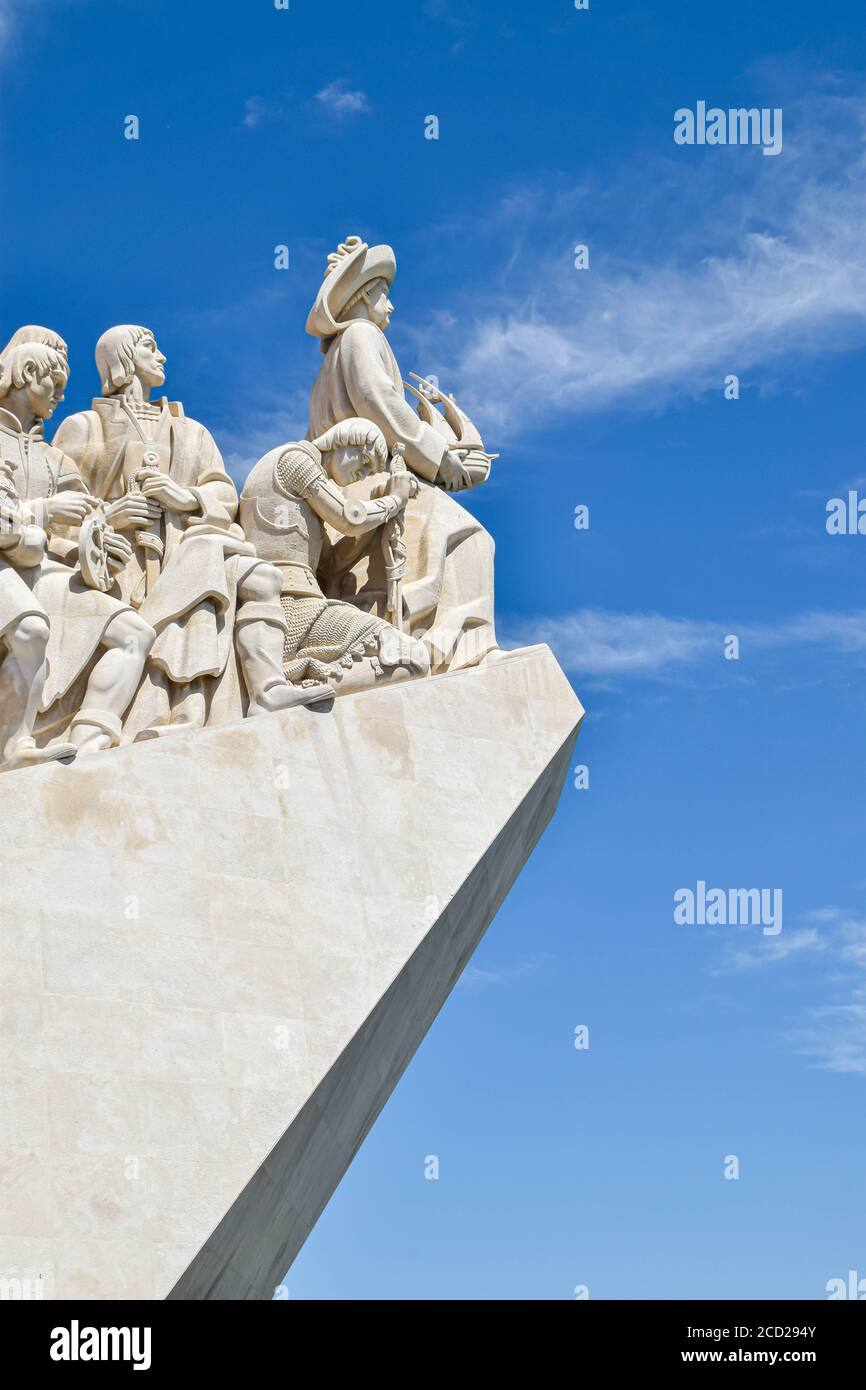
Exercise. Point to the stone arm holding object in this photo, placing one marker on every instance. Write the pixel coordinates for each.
(62, 515)
(353, 516)
(360, 377)
(288, 498)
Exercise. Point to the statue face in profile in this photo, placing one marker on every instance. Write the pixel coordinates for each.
(347, 463)
(149, 362)
(379, 306)
(59, 379)
(45, 392)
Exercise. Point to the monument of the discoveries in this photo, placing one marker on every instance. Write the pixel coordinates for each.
(269, 778)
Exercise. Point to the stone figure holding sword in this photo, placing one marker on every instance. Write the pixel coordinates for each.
(296, 509)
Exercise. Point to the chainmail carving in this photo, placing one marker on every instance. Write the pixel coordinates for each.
(297, 475)
(324, 637)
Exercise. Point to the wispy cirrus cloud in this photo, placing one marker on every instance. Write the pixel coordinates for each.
(12, 11)
(769, 950)
(260, 110)
(834, 1034)
(444, 12)
(340, 99)
(474, 976)
(598, 642)
(750, 262)
(601, 643)
(834, 949)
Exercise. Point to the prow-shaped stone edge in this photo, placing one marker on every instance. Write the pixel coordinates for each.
(220, 950)
(259, 1237)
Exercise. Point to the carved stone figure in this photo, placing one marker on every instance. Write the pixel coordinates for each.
(97, 644)
(24, 628)
(286, 502)
(192, 575)
(448, 590)
(133, 604)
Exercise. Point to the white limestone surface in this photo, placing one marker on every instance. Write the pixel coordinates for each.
(219, 951)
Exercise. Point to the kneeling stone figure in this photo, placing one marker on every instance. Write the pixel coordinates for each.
(286, 500)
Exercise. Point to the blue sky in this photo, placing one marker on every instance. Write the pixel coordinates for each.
(604, 387)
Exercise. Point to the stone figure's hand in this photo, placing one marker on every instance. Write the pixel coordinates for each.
(26, 543)
(132, 512)
(67, 508)
(403, 486)
(452, 475)
(159, 487)
(118, 550)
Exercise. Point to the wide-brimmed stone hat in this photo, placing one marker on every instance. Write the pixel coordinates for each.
(353, 265)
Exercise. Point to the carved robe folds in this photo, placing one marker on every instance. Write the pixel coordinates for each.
(448, 589)
(189, 595)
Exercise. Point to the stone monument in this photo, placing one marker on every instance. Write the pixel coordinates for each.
(268, 777)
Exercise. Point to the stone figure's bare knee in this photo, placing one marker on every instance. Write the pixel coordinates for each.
(29, 633)
(260, 584)
(130, 632)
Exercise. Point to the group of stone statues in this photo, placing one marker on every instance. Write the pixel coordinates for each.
(139, 595)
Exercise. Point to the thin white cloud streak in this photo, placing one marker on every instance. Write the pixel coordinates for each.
(835, 1034)
(683, 306)
(597, 642)
(339, 99)
(769, 950)
(474, 976)
(601, 643)
(836, 1038)
(11, 11)
(832, 1034)
(260, 110)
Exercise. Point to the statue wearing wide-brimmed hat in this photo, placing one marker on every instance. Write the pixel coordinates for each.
(448, 588)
